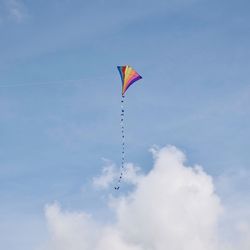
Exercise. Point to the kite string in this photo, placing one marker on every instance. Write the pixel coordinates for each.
(123, 144)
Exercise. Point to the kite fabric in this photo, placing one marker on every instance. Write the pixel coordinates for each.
(128, 77)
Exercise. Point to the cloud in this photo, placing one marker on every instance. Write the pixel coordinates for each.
(107, 177)
(69, 230)
(234, 187)
(110, 175)
(174, 206)
(170, 203)
(15, 10)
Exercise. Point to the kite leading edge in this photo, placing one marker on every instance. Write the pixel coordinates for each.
(128, 77)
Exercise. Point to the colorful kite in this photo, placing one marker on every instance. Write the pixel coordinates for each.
(128, 77)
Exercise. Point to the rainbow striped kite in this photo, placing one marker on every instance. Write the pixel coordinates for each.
(128, 77)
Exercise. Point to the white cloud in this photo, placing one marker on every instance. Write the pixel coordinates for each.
(172, 207)
(110, 175)
(69, 230)
(132, 174)
(16, 10)
(170, 203)
(234, 191)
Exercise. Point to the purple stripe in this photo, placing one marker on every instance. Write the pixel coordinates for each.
(132, 81)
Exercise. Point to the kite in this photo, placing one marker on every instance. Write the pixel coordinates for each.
(128, 77)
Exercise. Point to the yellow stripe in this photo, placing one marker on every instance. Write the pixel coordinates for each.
(127, 76)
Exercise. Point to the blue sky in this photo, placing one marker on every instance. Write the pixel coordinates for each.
(60, 98)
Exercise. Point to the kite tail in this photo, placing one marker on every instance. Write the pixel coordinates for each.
(123, 144)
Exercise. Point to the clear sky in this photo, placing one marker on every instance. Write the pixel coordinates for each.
(60, 100)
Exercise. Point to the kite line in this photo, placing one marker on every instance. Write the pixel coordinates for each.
(123, 143)
(128, 77)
